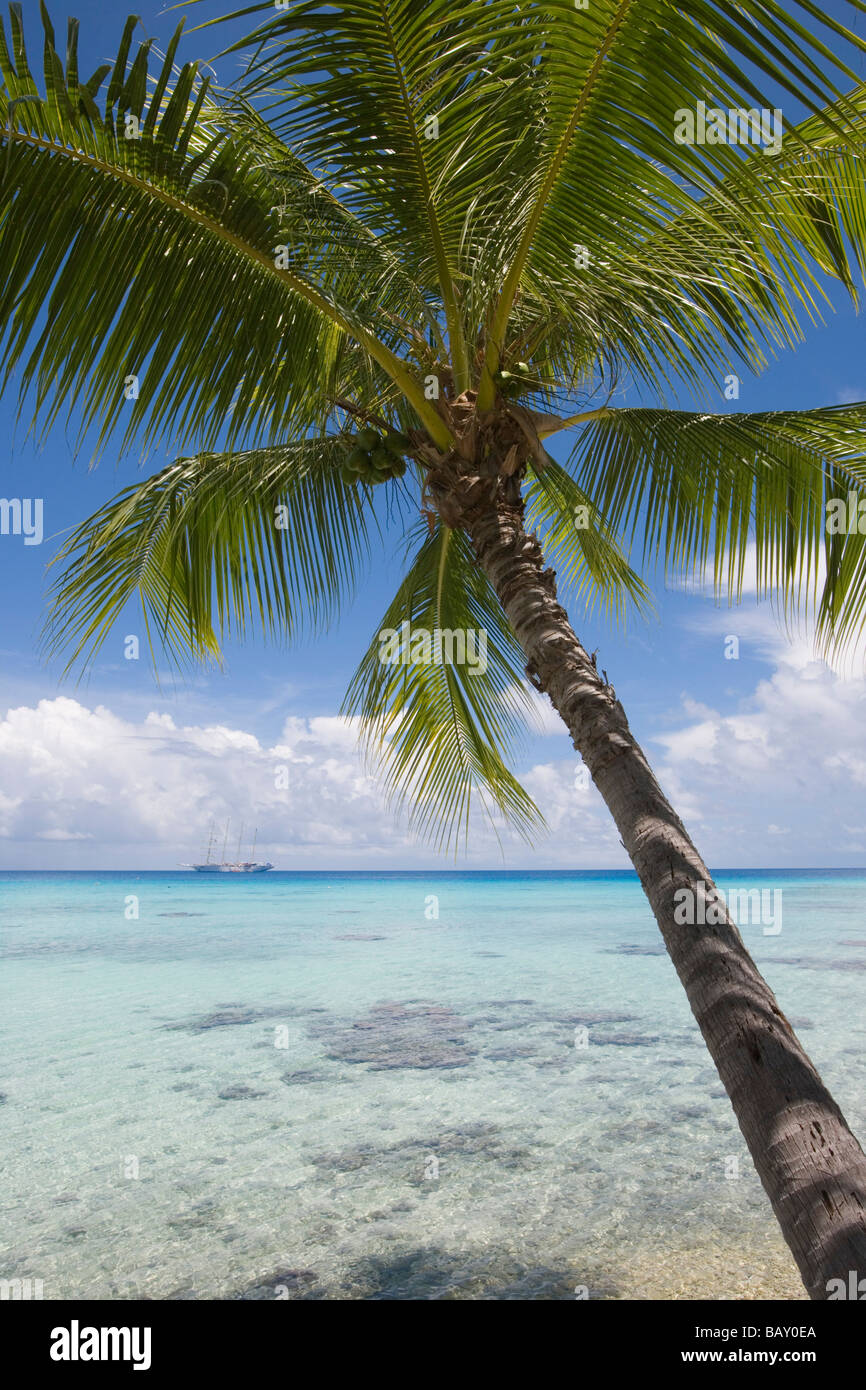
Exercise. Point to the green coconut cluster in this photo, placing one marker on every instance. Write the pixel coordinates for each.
(375, 458)
(516, 382)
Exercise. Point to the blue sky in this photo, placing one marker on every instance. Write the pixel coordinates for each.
(764, 756)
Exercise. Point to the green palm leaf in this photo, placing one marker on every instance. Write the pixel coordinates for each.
(436, 730)
(212, 544)
(700, 488)
(616, 75)
(128, 241)
(418, 143)
(590, 564)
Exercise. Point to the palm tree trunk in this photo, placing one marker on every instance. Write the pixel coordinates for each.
(809, 1162)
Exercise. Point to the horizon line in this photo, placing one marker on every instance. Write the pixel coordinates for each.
(725, 869)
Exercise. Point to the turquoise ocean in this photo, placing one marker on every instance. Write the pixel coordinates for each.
(390, 1086)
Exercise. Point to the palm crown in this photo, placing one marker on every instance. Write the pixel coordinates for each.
(465, 223)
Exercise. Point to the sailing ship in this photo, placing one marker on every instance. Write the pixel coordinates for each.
(230, 866)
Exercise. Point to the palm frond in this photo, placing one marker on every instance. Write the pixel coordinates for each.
(412, 107)
(212, 545)
(617, 75)
(701, 488)
(589, 562)
(437, 730)
(120, 232)
(725, 280)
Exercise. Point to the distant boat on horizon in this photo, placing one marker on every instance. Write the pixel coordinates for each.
(230, 866)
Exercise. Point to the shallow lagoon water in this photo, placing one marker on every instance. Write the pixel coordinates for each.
(307, 1086)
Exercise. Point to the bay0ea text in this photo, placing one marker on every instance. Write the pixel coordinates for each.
(725, 1333)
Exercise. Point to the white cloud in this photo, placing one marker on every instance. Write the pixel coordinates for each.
(582, 832)
(762, 625)
(778, 778)
(779, 775)
(703, 584)
(539, 716)
(149, 789)
(63, 835)
(102, 791)
(762, 633)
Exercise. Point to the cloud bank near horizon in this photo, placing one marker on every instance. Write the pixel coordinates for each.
(780, 781)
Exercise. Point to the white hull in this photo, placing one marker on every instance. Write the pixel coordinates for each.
(229, 868)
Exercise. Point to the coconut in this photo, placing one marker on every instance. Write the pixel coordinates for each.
(397, 443)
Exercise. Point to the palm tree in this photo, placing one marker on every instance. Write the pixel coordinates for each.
(414, 241)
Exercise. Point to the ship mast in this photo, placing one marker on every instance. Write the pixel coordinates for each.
(210, 841)
(226, 841)
(240, 837)
(253, 850)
